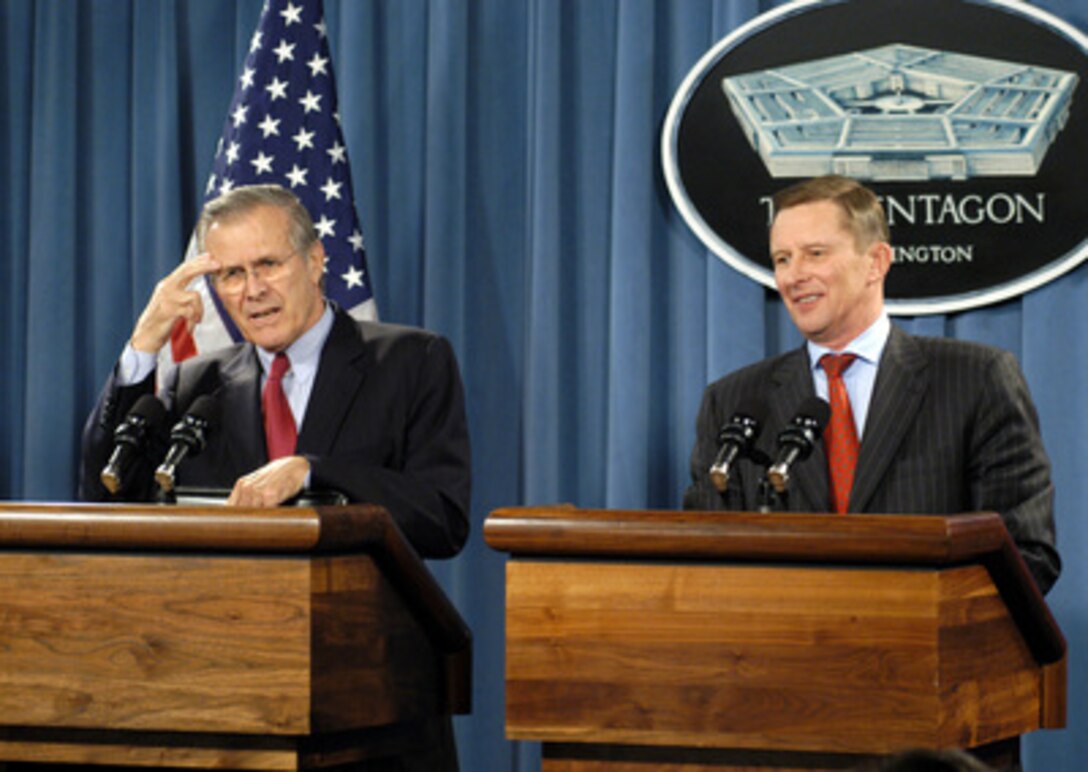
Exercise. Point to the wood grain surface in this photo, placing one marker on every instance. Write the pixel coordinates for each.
(191, 643)
(784, 657)
(219, 638)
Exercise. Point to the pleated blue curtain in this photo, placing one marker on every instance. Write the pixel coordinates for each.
(505, 158)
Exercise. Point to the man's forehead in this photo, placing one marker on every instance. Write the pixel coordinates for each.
(262, 232)
(262, 217)
(809, 224)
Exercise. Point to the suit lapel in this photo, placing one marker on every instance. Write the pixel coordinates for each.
(793, 384)
(901, 384)
(340, 374)
(240, 399)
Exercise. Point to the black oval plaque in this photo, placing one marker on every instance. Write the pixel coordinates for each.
(969, 120)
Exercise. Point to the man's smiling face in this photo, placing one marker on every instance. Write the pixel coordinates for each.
(833, 288)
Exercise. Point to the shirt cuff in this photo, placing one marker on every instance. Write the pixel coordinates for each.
(134, 366)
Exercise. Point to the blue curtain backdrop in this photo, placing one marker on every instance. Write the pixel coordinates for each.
(505, 159)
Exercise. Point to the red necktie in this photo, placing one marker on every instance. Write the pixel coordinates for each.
(840, 436)
(279, 425)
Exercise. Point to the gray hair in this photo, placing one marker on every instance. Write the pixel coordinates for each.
(243, 200)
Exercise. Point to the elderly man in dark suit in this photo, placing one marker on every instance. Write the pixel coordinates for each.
(928, 425)
(313, 400)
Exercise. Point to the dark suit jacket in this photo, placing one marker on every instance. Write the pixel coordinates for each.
(951, 428)
(385, 424)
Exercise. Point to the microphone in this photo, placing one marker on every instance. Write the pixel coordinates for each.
(188, 438)
(737, 438)
(129, 438)
(796, 441)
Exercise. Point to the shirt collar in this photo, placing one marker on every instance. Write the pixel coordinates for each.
(305, 352)
(867, 347)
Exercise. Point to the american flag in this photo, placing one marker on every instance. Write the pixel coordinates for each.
(283, 127)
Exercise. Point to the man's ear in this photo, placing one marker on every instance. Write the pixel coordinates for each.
(315, 265)
(880, 257)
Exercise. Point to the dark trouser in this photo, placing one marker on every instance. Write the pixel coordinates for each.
(435, 751)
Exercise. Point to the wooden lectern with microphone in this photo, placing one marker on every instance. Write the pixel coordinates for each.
(699, 641)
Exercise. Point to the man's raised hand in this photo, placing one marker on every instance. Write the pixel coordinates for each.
(172, 300)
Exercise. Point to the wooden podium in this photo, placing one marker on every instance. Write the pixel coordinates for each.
(639, 640)
(219, 637)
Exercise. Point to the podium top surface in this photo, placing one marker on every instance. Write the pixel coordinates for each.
(803, 537)
(202, 528)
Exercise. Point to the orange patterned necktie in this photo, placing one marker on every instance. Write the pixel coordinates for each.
(840, 436)
(280, 433)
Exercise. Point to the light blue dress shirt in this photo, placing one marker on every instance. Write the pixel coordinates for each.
(860, 377)
(305, 354)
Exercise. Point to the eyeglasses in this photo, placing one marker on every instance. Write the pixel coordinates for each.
(232, 280)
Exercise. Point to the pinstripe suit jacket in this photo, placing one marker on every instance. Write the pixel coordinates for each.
(951, 428)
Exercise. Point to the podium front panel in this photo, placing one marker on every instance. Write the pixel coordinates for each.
(768, 656)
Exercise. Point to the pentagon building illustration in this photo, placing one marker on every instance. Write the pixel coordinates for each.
(901, 112)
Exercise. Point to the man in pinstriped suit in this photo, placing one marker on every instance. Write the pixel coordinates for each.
(945, 426)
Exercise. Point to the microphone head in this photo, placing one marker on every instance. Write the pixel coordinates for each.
(747, 422)
(814, 413)
(206, 408)
(148, 406)
(807, 425)
(193, 428)
(147, 413)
